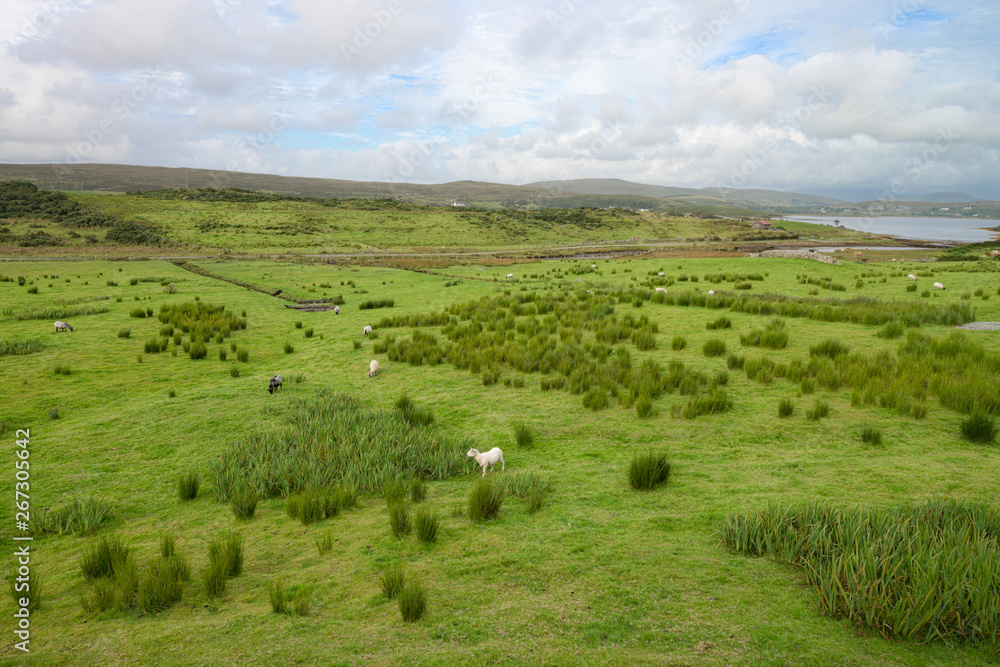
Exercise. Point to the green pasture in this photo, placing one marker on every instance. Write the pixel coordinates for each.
(599, 574)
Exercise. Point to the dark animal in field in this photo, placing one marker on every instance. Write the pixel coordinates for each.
(63, 326)
(275, 383)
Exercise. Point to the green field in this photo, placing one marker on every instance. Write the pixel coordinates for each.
(600, 573)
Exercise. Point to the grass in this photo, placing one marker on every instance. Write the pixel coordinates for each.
(426, 523)
(714, 348)
(979, 426)
(524, 435)
(647, 471)
(485, 500)
(871, 435)
(399, 519)
(640, 561)
(785, 408)
(412, 600)
(392, 580)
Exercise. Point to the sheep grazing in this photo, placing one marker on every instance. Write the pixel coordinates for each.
(373, 368)
(661, 274)
(489, 458)
(63, 326)
(938, 286)
(661, 289)
(368, 330)
(275, 383)
(911, 277)
(593, 266)
(711, 292)
(336, 310)
(510, 275)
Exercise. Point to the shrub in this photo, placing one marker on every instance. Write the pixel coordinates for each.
(53, 413)
(721, 322)
(678, 343)
(595, 399)
(137, 312)
(426, 523)
(524, 436)
(214, 577)
(714, 348)
(288, 348)
(412, 601)
(227, 550)
(399, 519)
(222, 354)
(124, 332)
(234, 371)
(308, 332)
(392, 580)
(161, 584)
(298, 325)
(644, 407)
(242, 355)
(734, 363)
(485, 500)
(785, 407)
(979, 426)
(807, 386)
(244, 504)
(912, 287)
(198, 351)
(646, 471)
(871, 435)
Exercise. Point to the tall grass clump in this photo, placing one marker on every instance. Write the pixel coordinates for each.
(678, 343)
(244, 504)
(104, 559)
(921, 573)
(831, 347)
(785, 407)
(392, 580)
(426, 523)
(226, 552)
(324, 543)
(714, 348)
(819, 410)
(871, 435)
(647, 471)
(711, 402)
(485, 500)
(524, 436)
(418, 489)
(125, 332)
(721, 322)
(30, 587)
(412, 601)
(979, 426)
(399, 519)
(393, 491)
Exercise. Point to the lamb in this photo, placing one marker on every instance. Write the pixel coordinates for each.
(994, 253)
(661, 274)
(911, 277)
(336, 310)
(489, 458)
(593, 266)
(373, 368)
(938, 286)
(711, 292)
(661, 289)
(63, 326)
(274, 384)
(368, 330)
(510, 275)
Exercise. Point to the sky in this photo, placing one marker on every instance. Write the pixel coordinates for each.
(879, 98)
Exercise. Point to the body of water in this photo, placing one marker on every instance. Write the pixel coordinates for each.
(963, 230)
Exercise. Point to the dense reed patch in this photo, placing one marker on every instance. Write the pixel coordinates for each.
(412, 601)
(426, 523)
(80, 517)
(979, 426)
(392, 580)
(524, 435)
(15, 347)
(485, 500)
(332, 439)
(58, 312)
(921, 572)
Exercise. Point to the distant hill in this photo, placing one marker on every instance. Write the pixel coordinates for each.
(947, 198)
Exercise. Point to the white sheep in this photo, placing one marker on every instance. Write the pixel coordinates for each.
(994, 253)
(510, 275)
(661, 289)
(711, 292)
(911, 277)
(489, 458)
(593, 266)
(368, 330)
(373, 368)
(661, 274)
(938, 286)
(336, 310)
(63, 326)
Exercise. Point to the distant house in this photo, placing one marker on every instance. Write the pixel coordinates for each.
(762, 224)
(455, 202)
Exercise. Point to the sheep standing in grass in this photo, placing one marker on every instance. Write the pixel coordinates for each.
(711, 292)
(336, 310)
(911, 277)
(490, 458)
(373, 368)
(661, 274)
(510, 275)
(368, 330)
(63, 326)
(938, 286)
(661, 289)
(274, 384)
